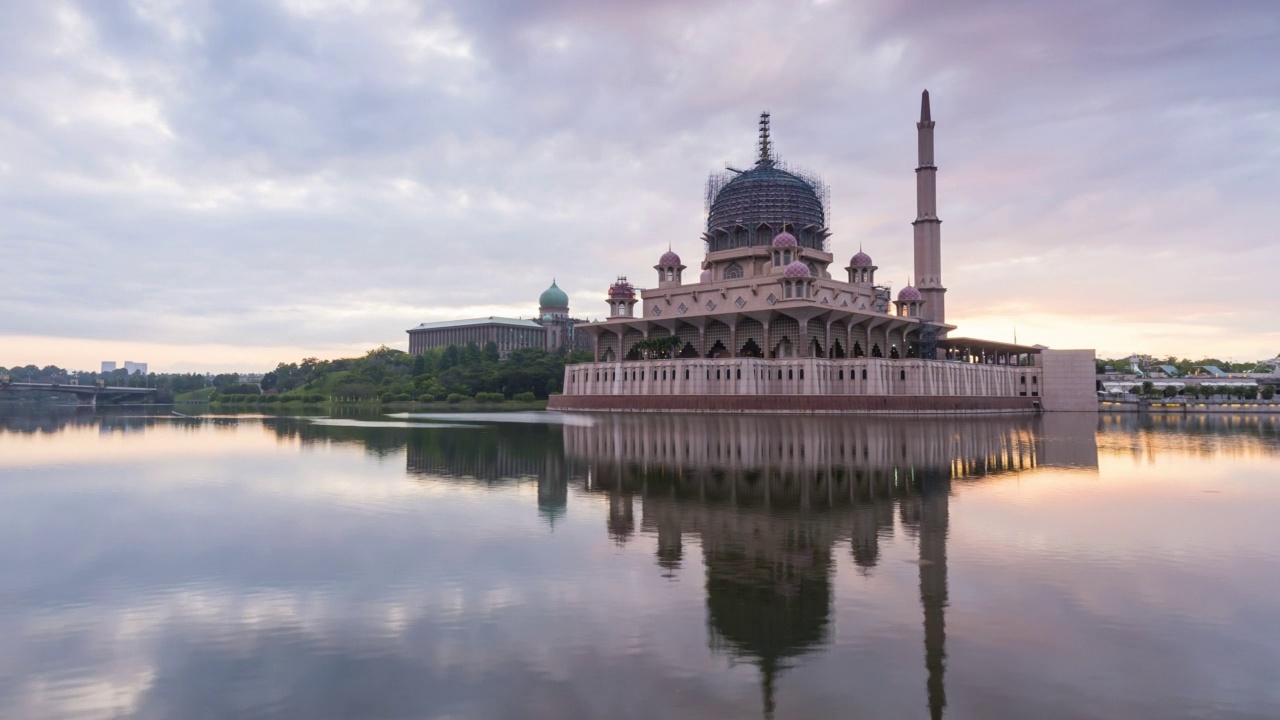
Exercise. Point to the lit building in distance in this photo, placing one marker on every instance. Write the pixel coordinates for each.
(108, 366)
(773, 323)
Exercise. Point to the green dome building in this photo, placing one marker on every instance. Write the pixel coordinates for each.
(553, 298)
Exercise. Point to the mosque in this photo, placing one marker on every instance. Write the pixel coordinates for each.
(770, 325)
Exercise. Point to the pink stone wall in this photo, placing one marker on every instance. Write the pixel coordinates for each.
(791, 404)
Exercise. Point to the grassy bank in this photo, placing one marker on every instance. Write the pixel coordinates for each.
(374, 405)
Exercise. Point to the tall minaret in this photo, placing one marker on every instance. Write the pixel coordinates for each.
(928, 228)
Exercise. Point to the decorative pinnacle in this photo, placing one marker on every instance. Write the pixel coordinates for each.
(766, 152)
(924, 107)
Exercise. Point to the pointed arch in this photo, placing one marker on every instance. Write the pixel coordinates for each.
(751, 331)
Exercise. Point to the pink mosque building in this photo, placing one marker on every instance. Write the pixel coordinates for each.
(771, 326)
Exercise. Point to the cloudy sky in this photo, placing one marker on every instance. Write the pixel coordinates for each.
(229, 184)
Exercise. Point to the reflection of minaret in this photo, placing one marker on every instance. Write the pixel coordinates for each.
(622, 519)
(553, 487)
(553, 498)
(670, 547)
(935, 489)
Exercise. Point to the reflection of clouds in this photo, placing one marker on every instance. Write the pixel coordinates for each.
(112, 697)
(96, 445)
(198, 571)
(321, 581)
(195, 650)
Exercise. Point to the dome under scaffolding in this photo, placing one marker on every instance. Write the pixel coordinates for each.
(747, 208)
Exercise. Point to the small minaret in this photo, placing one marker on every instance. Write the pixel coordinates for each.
(622, 298)
(928, 228)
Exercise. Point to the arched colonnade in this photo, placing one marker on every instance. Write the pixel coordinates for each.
(772, 336)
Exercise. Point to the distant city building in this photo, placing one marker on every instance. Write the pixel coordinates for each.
(133, 367)
(108, 366)
(552, 330)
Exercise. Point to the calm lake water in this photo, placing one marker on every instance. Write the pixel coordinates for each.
(548, 566)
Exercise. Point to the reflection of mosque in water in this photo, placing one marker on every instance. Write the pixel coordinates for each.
(768, 499)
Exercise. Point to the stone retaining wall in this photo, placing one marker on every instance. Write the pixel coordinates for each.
(902, 404)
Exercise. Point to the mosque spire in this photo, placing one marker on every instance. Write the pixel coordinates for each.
(766, 151)
(927, 231)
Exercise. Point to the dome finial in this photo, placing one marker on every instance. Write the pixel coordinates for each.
(766, 152)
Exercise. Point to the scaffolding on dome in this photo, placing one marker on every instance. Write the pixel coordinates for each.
(717, 181)
(739, 203)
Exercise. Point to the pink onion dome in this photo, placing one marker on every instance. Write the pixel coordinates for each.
(706, 276)
(796, 270)
(621, 289)
(908, 294)
(860, 260)
(669, 258)
(784, 239)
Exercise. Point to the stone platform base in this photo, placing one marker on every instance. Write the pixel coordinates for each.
(811, 404)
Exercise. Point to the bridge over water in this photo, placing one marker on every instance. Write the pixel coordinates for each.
(85, 394)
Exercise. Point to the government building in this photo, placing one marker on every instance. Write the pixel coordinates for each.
(552, 330)
(772, 323)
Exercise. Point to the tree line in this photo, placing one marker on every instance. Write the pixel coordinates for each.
(1183, 365)
(449, 373)
(456, 372)
(1206, 391)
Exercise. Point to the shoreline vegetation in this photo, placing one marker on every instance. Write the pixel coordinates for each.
(449, 378)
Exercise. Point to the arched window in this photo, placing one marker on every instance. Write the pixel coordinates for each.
(733, 272)
(671, 274)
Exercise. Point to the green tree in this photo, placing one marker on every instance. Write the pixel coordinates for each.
(449, 358)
